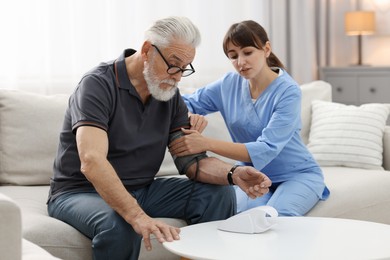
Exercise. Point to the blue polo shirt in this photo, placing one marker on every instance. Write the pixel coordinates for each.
(137, 132)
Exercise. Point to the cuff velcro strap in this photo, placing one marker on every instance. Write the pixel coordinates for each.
(184, 162)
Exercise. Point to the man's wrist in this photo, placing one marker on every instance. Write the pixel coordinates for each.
(230, 175)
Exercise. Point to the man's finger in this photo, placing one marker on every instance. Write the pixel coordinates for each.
(146, 238)
(160, 237)
(175, 233)
(266, 182)
(256, 191)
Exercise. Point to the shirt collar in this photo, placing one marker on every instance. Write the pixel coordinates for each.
(121, 72)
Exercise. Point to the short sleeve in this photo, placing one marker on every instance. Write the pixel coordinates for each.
(180, 114)
(91, 103)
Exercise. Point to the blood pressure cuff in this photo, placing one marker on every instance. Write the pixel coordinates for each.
(184, 162)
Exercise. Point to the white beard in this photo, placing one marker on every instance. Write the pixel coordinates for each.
(154, 85)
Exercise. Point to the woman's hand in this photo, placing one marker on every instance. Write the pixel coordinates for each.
(191, 143)
(197, 122)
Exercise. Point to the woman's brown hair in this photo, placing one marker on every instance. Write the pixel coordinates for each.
(250, 33)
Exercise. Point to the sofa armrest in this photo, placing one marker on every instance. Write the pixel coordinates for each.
(386, 148)
(10, 229)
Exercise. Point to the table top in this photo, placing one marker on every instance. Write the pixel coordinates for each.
(291, 238)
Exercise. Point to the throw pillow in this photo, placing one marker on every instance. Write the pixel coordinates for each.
(347, 135)
(315, 90)
(30, 125)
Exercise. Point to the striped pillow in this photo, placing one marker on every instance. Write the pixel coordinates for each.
(347, 135)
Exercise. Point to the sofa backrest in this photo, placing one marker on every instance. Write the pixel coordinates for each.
(30, 125)
(29, 130)
(386, 148)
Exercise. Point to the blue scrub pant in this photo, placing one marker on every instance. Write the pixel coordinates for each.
(114, 238)
(289, 198)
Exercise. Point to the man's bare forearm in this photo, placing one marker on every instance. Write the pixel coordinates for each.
(214, 171)
(211, 170)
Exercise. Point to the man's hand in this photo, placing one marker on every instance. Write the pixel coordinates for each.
(253, 182)
(145, 226)
(197, 122)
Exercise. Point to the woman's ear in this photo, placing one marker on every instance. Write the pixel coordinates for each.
(267, 49)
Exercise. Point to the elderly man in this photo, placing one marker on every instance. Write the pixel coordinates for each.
(119, 122)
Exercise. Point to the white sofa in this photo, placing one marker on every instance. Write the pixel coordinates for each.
(29, 127)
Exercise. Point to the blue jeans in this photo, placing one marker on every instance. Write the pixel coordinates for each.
(113, 238)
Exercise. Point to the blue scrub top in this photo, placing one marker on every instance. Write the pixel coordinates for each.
(268, 126)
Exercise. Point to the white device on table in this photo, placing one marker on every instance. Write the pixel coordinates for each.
(252, 221)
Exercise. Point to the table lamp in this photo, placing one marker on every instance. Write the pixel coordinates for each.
(360, 23)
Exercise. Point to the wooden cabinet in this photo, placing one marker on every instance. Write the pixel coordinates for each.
(358, 84)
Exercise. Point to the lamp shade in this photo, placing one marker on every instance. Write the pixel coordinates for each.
(360, 23)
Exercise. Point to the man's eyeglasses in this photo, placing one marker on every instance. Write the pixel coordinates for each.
(175, 69)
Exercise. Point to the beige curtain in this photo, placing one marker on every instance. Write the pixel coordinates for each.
(309, 34)
(47, 45)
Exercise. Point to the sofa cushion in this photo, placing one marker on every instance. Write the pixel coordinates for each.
(10, 228)
(51, 234)
(29, 131)
(315, 90)
(59, 238)
(347, 135)
(32, 251)
(355, 194)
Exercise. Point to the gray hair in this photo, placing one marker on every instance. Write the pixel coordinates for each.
(171, 29)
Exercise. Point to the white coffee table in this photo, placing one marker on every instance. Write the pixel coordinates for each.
(291, 238)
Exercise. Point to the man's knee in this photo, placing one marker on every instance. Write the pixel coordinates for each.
(115, 239)
(224, 193)
(215, 202)
(115, 227)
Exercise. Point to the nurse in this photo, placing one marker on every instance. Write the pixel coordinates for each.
(261, 106)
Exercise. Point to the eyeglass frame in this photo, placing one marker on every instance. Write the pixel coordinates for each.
(176, 68)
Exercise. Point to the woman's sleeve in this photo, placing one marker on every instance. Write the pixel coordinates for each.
(205, 100)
